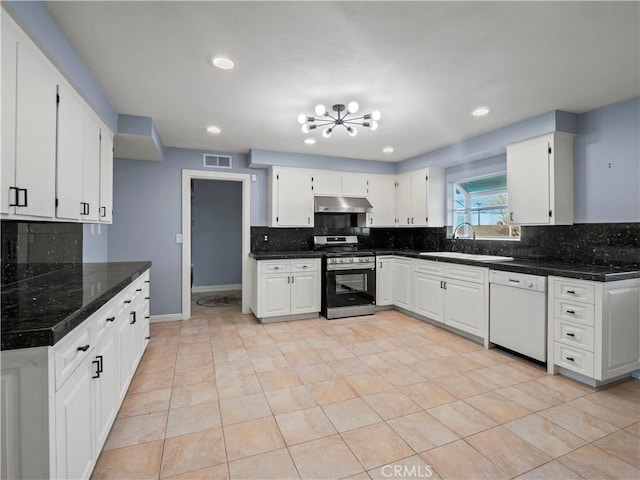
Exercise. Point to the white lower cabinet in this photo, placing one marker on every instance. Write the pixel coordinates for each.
(67, 396)
(402, 281)
(384, 281)
(285, 289)
(596, 329)
(452, 294)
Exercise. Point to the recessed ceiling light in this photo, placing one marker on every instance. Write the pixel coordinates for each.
(480, 111)
(213, 130)
(309, 141)
(387, 150)
(223, 63)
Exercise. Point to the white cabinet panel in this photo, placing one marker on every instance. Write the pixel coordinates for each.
(69, 169)
(540, 180)
(384, 281)
(291, 198)
(421, 198)
(275, 295)
(9, 98)
(382, 196)
(105, 387)
(326, 182)
(402, 291)
(91, 168)
(304, 297)
(355, 185)
(429, 296)
(465, 306)
(106, 176)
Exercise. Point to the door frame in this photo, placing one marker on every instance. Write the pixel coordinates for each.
(245, 179)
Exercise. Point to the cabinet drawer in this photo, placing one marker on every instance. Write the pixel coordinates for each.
(432, 268)
(104, 320)
(574, 312)
(574, 334)
(72, 350)
(470, 274)
(273, 267)
(578, 292)
(304, 266)
(574, 359)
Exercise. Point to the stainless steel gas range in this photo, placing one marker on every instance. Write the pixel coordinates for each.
(348, 277)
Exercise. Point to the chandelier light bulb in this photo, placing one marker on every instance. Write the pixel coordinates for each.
(376, 115)
(302, 118)
(320, 110)
(327, 132)
(352, 131)
(374, 125)
(305, 128)
(353, 107)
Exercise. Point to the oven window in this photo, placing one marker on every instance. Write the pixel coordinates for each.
(351, 282)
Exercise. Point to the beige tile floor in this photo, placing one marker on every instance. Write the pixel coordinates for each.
(385, 396)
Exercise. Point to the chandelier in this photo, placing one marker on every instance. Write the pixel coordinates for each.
(344, 116)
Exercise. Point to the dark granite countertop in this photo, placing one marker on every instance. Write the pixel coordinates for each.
(41, 310)
(597, 273)
(284, 255)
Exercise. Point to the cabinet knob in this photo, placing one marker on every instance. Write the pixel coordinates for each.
(571, 359)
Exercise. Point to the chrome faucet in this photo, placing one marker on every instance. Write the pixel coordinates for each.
(473, 231)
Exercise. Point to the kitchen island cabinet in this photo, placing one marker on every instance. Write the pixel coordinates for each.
(65, 374)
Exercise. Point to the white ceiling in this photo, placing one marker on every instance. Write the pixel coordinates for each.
(424, 65)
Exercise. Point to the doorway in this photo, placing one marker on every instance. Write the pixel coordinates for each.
(188, 176)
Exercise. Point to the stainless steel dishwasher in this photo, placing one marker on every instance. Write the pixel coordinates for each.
(518, 313)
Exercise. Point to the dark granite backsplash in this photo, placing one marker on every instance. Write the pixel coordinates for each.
(35, 248)
(608, 244)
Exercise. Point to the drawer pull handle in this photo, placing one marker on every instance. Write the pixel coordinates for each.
(571, 292)
(97, 374)
(147, 338)
(138, 289)
(110, 319)
(571, 334)
(127, 301)
(84, 348)
(147, 317)
(133, 314)
(146, 281)
(570, 359)
(147, 298)
(572, 312)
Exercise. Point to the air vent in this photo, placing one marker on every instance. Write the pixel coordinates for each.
(217, 161)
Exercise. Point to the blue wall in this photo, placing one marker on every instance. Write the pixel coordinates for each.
(95, 243)
(216, 232)
(607, 164)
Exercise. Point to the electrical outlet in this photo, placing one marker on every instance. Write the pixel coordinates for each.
(266, 238)
(178, 238)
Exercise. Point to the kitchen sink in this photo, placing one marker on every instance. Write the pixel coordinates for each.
(467, 256)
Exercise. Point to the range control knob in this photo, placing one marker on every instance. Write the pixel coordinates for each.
(529, 283)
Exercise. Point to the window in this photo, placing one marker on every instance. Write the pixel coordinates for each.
(483, 203)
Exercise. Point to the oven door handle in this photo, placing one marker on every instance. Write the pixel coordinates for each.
(340, 267)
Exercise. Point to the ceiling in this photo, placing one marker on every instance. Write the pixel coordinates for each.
(424, 65)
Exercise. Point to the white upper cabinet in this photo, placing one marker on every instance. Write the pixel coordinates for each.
(326, 183)
(420, 198)
(382, 196)
(69, 166)
(291, 198)
(355, 185)
(90, 168)
(29, 92)
(540, 180)
(51, 140)
(106, 175)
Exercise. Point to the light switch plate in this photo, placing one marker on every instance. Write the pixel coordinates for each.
(178, 238)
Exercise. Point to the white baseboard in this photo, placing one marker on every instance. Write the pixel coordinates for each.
(216, 288)
(169, 317)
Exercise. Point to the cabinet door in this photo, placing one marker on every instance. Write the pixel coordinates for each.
(69, 168)
(91, 168)
(275, 295)
(402, 283)
(305, 293)
(403, 193)
(294, 198)
(355, 185)
(74, 421)
(419, 212)
(106, 176)
(465, 306)
(35, 132)
(125, 354)
(429, 296)
(384, 281)
(326, 182)
(105, 387)
(382, 195)
(8, 103)
(528, 182)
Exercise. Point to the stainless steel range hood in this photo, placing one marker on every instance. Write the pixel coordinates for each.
(342, 205)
